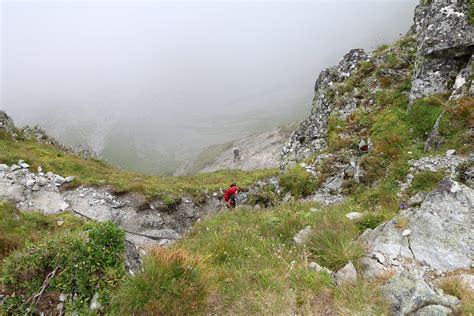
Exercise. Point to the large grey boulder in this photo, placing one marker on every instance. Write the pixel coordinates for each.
(444, 28)
(409, 294)
(445, 43)
(441, 236)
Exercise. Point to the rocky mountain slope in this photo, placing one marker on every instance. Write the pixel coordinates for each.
(258, 151)
(371, 213)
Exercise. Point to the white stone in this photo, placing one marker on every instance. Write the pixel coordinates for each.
(347, 274)
(380, 257)
(468, 280)
(24, 165)
(95, 304)
(14, 167)
(69, 179)
(3, 167)
(406, 232)
(42, 181)
(317, 268)
(30, 183)
(302, 235)
(450, 152)
(353, 216)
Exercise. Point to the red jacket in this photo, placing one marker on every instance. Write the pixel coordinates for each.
(229, 192)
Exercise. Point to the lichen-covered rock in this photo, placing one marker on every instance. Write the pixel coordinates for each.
(434, 75)
(441, 235)
(310, 137)
(445, 43)
(409, 294)
(444, 28)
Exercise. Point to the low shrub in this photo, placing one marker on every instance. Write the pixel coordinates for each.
(79, 263)
(171, 283)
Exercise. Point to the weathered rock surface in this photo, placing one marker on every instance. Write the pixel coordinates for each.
(347, 274)
(445, 43)
(317, 268)
(311, 135)
(441, 234)
(461, 85)
(409, 294)
(439, 163)
(444, 29)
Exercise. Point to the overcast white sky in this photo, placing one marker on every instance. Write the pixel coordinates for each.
(178, 73)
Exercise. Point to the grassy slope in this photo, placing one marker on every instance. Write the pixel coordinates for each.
(96, 172)
(251, 263)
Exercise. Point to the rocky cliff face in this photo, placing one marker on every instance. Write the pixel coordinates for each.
(436, 54)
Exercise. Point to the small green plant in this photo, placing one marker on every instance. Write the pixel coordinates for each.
(298, 182)
(264, 197)
(171, 283)
(370, 221)
(17, 228)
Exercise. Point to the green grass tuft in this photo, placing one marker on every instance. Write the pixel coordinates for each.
(171, 283)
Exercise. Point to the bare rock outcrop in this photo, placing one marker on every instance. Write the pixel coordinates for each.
(311, 135)
(445, 44)
(437, 236)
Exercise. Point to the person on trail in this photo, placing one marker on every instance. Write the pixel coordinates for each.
(230, 195)
(236, 154)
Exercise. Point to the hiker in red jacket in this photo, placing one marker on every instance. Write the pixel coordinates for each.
(230, 195)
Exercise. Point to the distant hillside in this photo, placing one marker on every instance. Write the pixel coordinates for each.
(257, 151)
